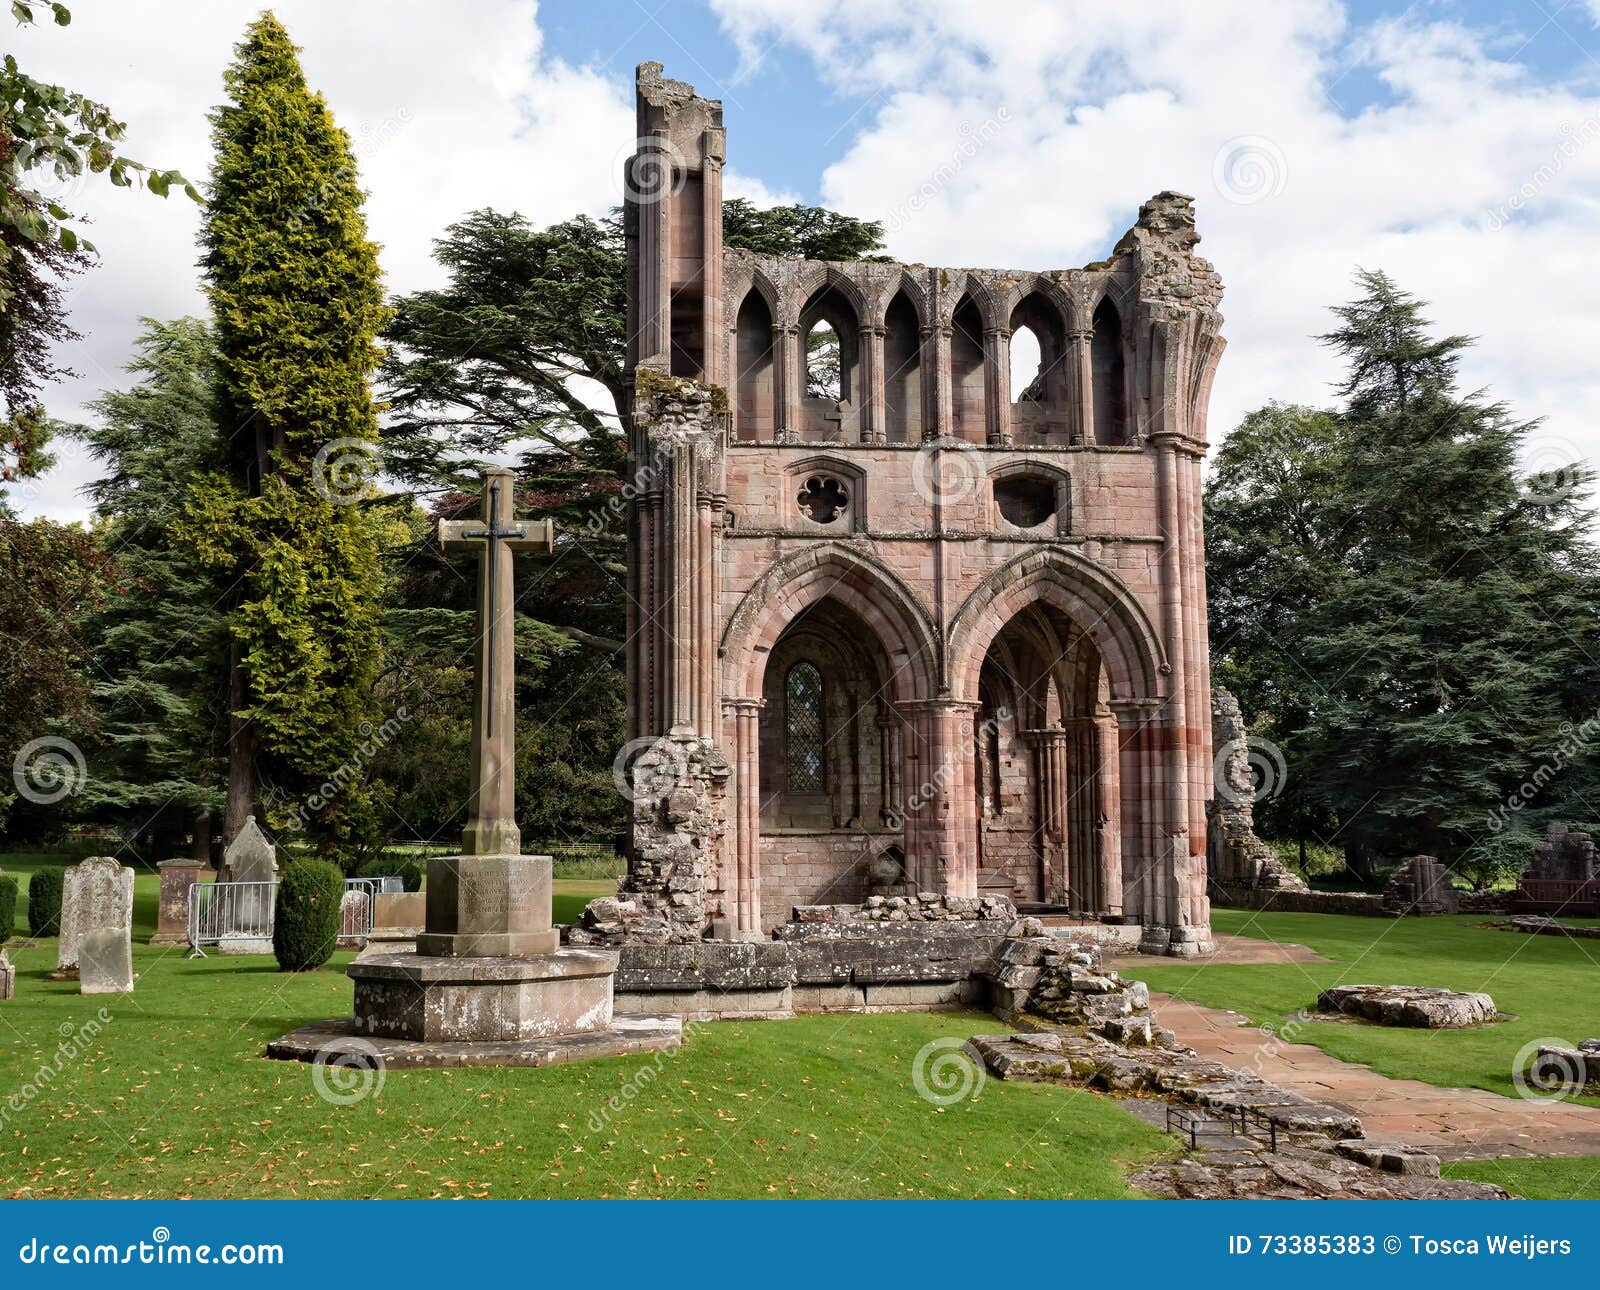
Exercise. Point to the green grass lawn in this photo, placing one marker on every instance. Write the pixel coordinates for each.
(1547, 1178)
(173, 1098)
(1549, 983)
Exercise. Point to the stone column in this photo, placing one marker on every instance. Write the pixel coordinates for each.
(655, 255)
(714, 334)
(997, 385)
(942, 422)
(744, 719)
(1054, 823)
(1173, 850)
(1108, 812)
(874, 420)
(1080, 347)
(888, 766)
(788, 380)
(947, 836)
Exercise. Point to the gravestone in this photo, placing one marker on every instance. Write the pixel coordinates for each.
(97, 893)
(353, 919)
(8, 977)
(172, 909)
(105, 961)
(247, 911)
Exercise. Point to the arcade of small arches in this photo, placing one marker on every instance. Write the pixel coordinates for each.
(829, 367)
(875, 780)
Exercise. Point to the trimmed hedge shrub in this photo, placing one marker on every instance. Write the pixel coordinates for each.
(305, 920)
(8, 906)
(396, 864)
(44, 901)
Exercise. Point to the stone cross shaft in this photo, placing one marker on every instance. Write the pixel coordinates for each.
(492, 826)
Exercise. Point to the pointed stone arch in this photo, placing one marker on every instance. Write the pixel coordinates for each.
(861, 583)
(1092, 596)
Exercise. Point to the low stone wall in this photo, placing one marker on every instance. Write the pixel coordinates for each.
(827, 966)
(1360, 903)
(1536, 925)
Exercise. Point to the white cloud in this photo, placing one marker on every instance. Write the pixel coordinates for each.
(449, 108)
(1472, 182)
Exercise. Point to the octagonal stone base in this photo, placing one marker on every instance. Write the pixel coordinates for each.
(483, 1000)
(337, 1043)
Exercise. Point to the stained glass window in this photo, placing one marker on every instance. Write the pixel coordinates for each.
(802, 711)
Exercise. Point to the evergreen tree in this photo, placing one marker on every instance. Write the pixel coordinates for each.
(1448, 607)
(159, 654)
(294, 289)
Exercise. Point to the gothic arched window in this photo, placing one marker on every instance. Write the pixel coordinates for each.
(802, 725)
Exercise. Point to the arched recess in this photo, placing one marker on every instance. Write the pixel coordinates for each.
(967, 381)
(1096, 600)
(1041, 405)
(902, 370)
(1108, 372)
(1039, 486)
(830, 330)
(874, 593)
(754, 416)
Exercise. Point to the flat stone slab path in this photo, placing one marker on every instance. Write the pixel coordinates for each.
(1230, 949)
(1452, 1123)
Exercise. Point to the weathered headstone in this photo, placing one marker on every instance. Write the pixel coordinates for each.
(247, 911)
(353, 919)
(172, 910)
(8, 977)
(105, 961)
(97, 893)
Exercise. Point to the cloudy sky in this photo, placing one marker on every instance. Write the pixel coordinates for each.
(1455, 144)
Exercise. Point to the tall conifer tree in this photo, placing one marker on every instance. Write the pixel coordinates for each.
(297, 305)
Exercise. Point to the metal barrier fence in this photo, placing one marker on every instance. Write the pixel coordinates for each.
(242, 911)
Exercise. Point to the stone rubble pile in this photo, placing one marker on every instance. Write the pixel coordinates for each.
(1064, 981)
(1424, 1007)
(1557, 1064)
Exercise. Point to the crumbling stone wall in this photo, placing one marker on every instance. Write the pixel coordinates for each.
(672, 889)
(1238, 862)
(1563, 857)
